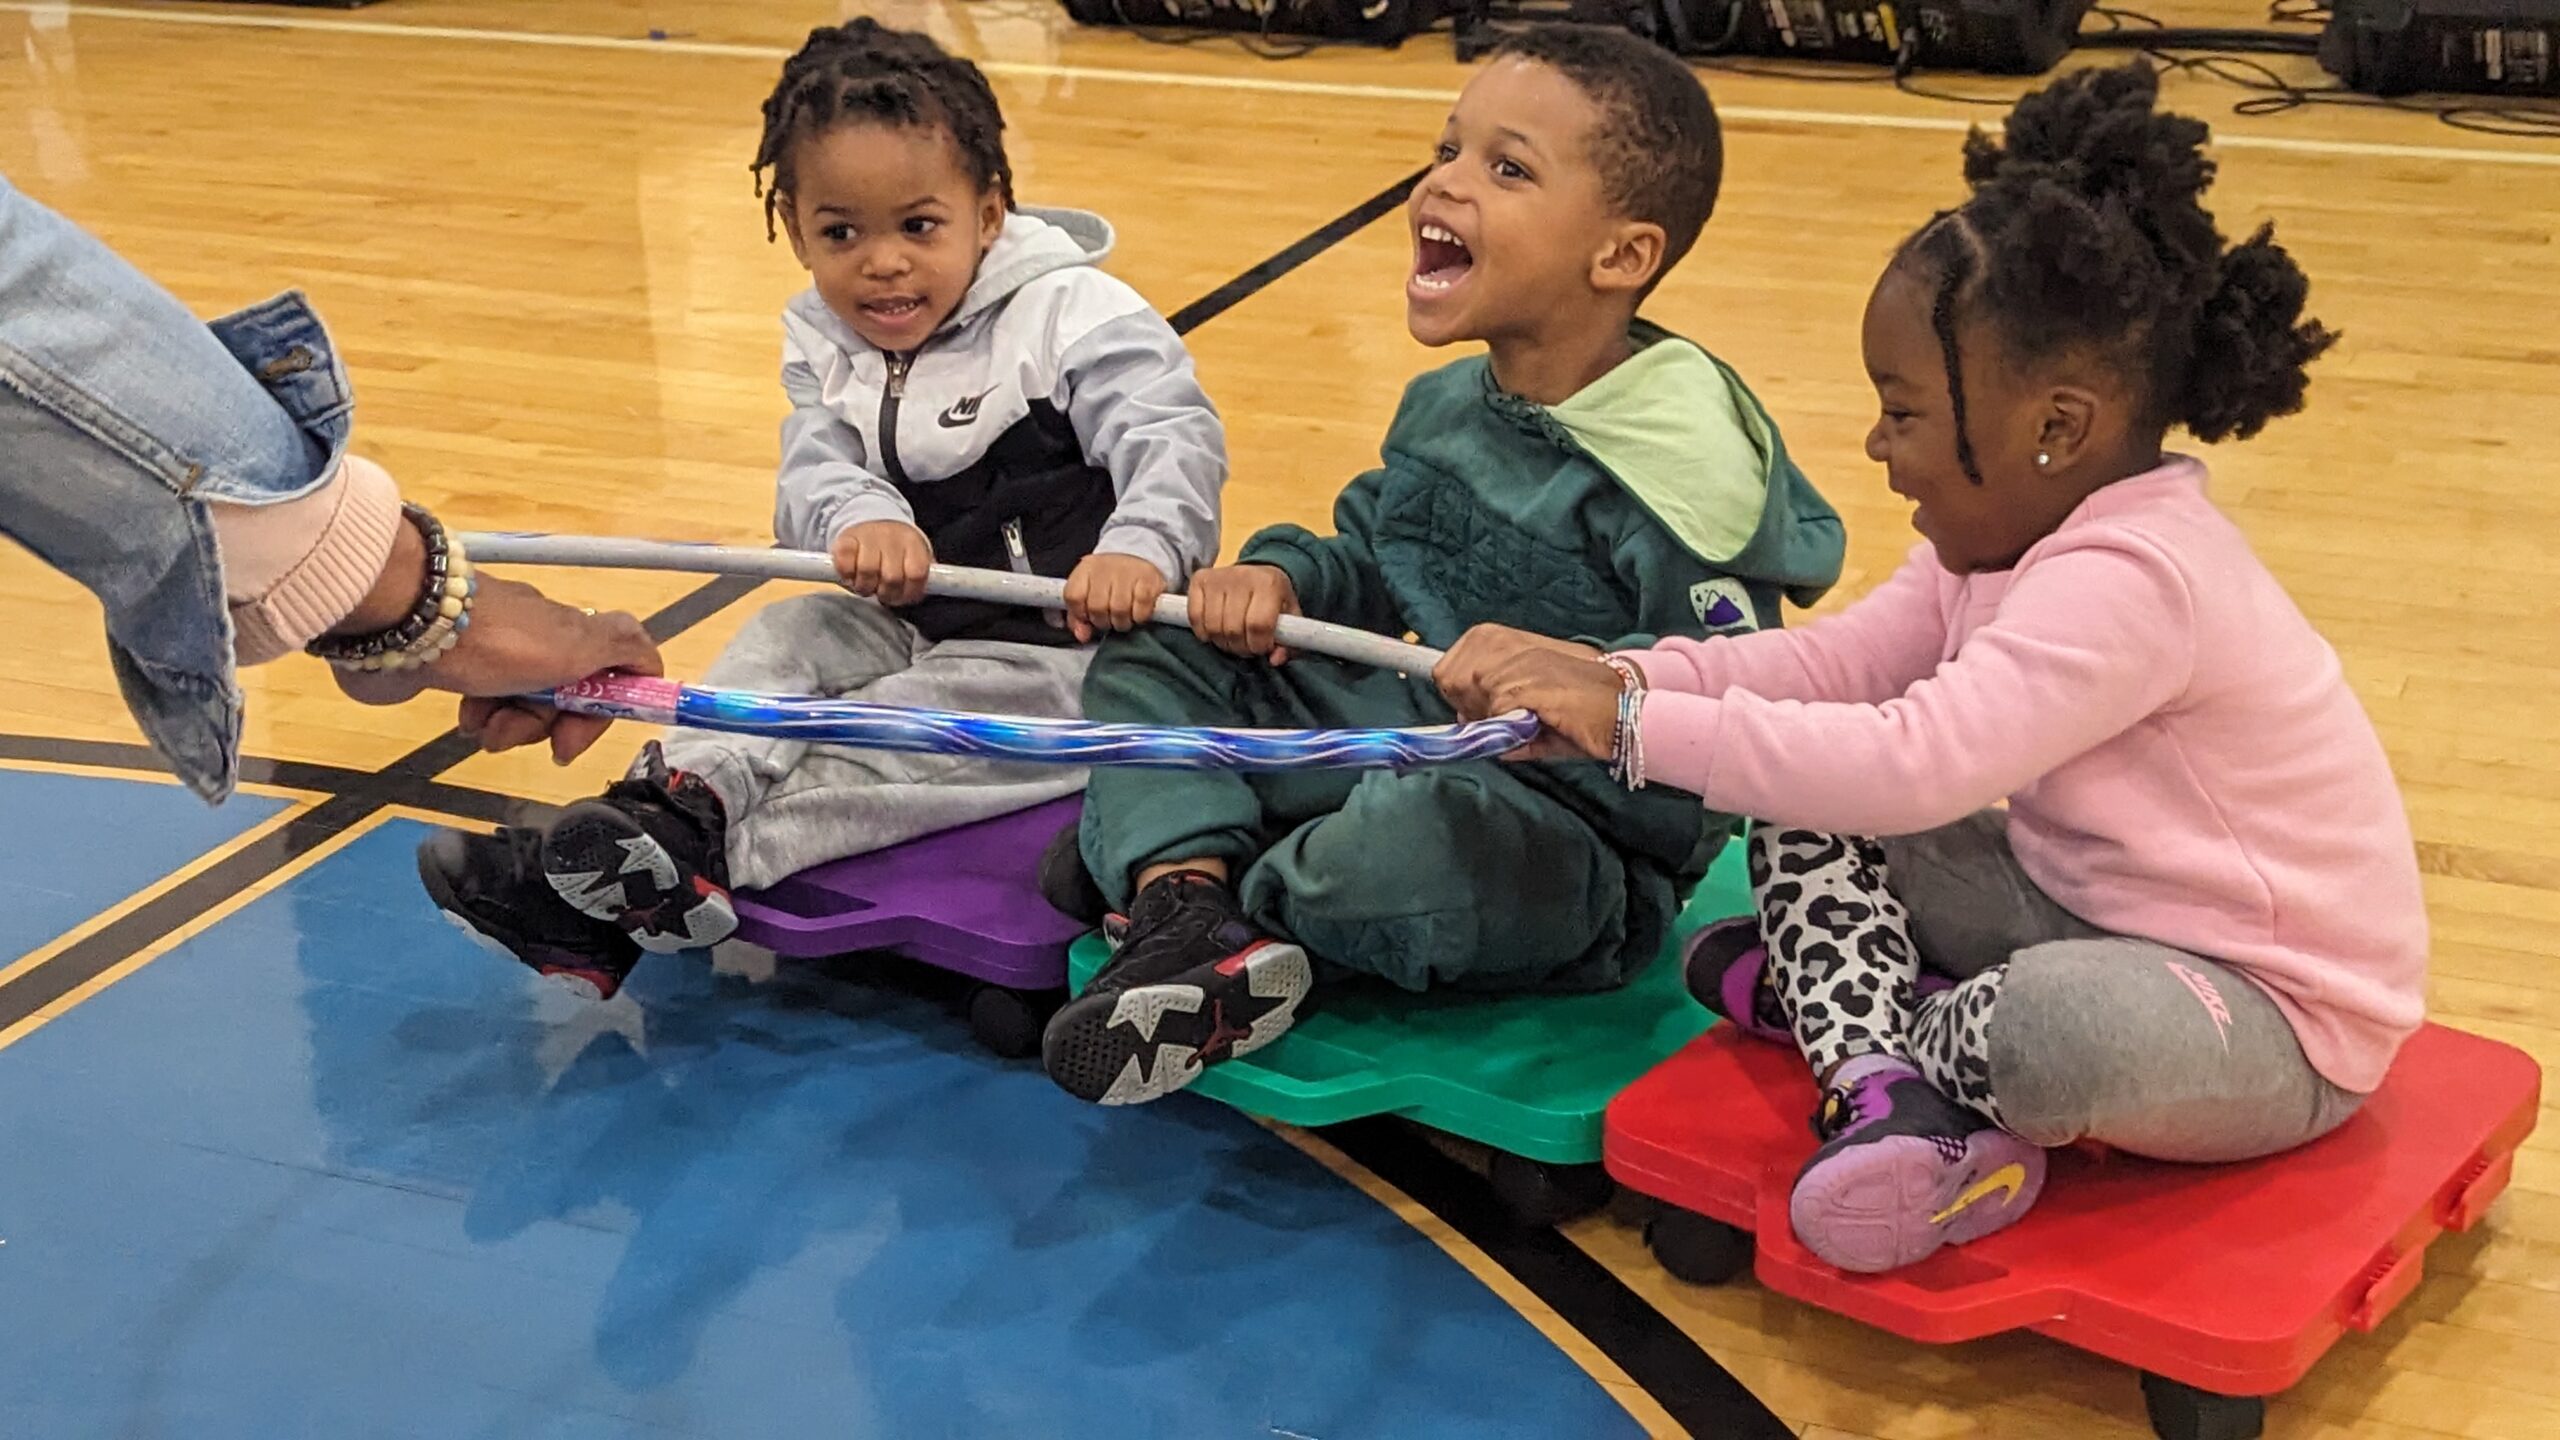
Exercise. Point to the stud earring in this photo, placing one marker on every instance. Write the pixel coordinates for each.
(2043, 460)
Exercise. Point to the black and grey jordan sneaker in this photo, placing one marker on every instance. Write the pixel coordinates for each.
(492, 888)
(1190, 983)
(650, 856)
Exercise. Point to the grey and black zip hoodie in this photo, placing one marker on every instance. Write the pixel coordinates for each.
(1054, 414)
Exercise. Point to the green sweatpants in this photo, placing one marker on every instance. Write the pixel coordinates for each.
(1470, 876)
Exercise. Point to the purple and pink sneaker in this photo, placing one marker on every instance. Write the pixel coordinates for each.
(1903, 1170)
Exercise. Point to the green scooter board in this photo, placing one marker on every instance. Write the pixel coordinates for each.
(1529, 1075)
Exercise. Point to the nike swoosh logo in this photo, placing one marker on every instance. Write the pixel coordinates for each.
(963, 411)
(2011, 1178)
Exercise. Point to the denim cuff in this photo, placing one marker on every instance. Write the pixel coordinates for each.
(285, 348)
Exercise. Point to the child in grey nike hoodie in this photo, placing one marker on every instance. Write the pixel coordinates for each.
(966, 388)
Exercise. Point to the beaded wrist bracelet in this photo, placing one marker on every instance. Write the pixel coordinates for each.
(1626, 740)
(432, 626)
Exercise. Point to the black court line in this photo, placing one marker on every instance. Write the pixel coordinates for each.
(1659, 1356)
(354, 796)
(699, 604)
(465, 801)
(1687, 1382)
(190, 899)
(117, 755)
(1333, 232)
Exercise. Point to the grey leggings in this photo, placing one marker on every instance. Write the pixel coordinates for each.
(2054, 1030)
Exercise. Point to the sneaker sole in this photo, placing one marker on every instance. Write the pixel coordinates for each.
(1892, 1203)
(1144, 1043)
(607, 867)
(579, 981)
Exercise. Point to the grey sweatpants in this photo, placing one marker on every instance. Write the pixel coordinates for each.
(2053, 1029)
(793, 804)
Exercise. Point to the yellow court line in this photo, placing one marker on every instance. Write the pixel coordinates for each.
(222, 910)
(1259, 84)
(46, 952)
(1576, 1346)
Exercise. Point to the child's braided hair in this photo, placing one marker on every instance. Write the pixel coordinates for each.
(2086, 234)
(864, 71)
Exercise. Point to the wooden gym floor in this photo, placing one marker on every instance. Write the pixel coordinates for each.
(532, 230)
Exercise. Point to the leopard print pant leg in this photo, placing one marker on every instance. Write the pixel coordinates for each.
(1951, 1042)
(1840, 947)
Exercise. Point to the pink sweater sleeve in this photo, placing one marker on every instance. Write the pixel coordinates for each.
(2087, 643)
(1871, 651)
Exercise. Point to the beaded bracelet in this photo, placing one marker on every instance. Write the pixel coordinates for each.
(433, 626)
(1626, 740)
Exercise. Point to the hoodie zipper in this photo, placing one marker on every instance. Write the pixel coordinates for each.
(1018, 555)
(889, 398)
(1015, 551)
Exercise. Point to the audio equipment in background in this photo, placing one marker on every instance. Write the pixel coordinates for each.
(1479, 25)
(1992, 37)
(1362, 22)
(2466, 47)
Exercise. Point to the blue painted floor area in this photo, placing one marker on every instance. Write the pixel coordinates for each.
(330, 1170)
(72, 845)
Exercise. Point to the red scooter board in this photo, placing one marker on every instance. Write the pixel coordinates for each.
(2231, 1279)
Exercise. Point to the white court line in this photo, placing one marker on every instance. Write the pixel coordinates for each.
(1259, 84)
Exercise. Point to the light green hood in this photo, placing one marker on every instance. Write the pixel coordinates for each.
(1682, 434)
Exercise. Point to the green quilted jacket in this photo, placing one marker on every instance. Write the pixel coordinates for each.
(1657, 501)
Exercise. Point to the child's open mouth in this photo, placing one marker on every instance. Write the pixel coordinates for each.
(894, 309)
(1440, 260)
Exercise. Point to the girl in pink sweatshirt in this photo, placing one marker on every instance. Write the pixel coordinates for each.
(2195, 932)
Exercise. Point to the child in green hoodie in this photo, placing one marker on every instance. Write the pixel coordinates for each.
(1592, 475)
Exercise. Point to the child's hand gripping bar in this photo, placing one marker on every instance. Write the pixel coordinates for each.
(1000, 587)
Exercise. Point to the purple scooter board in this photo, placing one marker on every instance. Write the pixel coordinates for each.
(966, 900)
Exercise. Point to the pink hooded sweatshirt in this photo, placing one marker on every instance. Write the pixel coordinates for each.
(2180, 753)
